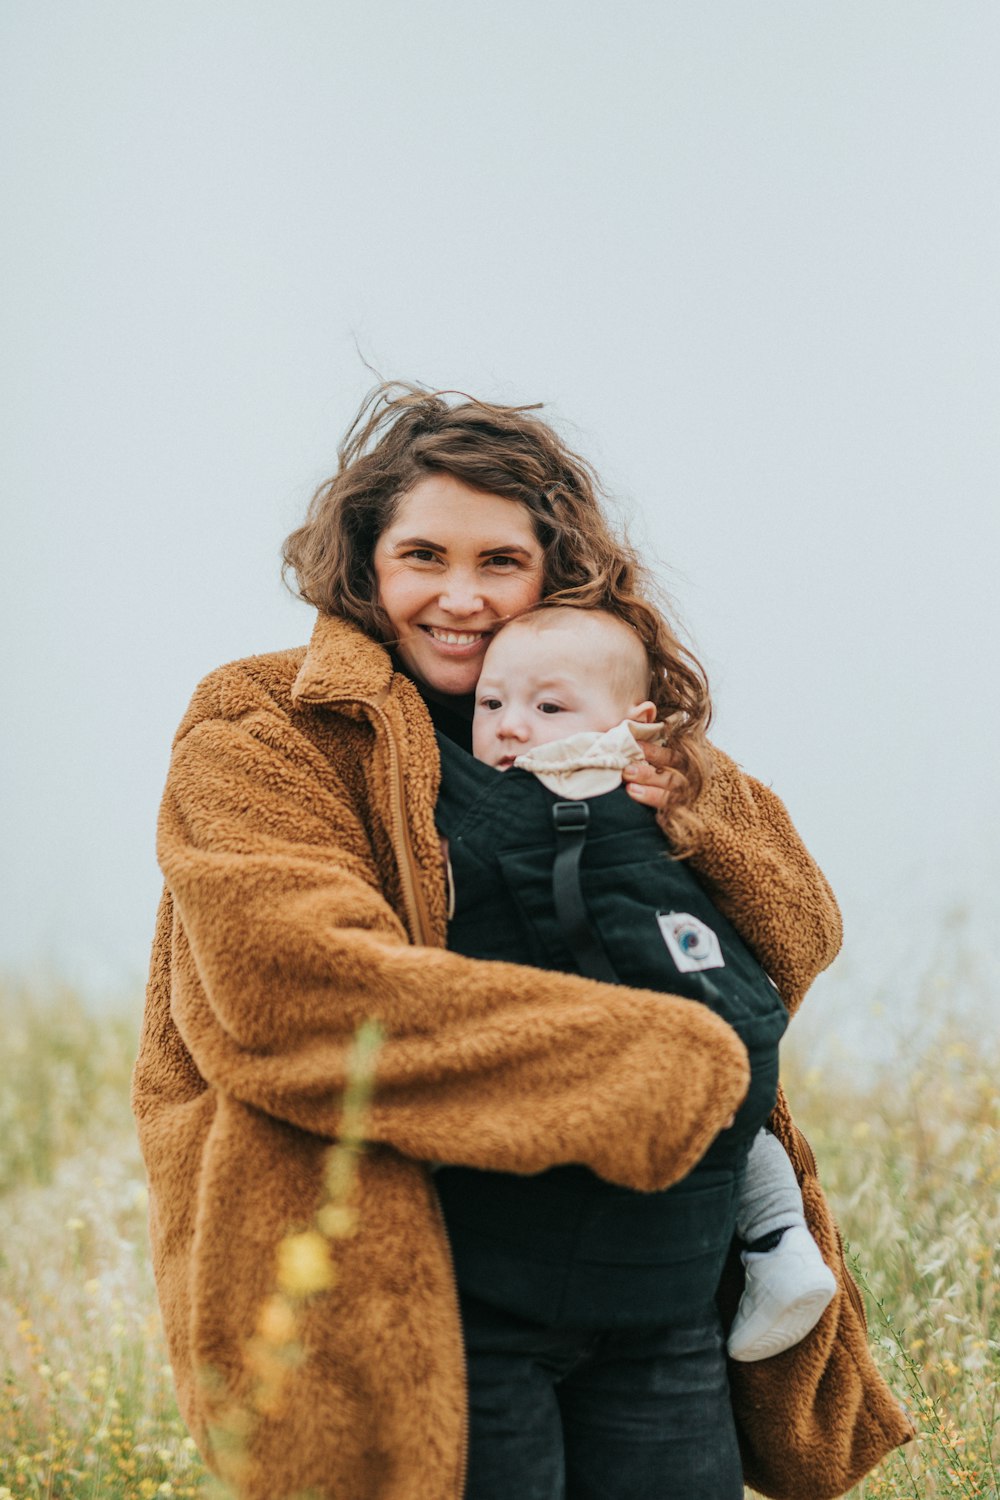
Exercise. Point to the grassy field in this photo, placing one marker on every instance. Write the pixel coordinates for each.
(911, 1159)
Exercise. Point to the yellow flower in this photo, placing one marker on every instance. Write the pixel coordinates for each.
(277, 1323)
(337, 1221)
(304, 1264)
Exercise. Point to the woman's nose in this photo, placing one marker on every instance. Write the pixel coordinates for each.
(461, 596)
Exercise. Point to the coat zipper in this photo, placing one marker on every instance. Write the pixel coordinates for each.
(417, 915)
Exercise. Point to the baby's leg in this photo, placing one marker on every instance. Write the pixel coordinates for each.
(769, 1197)
(788, 1284)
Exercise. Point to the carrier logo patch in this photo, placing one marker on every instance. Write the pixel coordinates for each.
(692, 945)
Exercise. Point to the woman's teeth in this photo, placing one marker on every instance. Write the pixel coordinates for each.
(455, 637)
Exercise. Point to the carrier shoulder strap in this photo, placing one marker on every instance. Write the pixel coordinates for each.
(570, 820)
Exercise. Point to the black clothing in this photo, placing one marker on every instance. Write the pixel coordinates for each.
(585, 1414)
(564, 1247)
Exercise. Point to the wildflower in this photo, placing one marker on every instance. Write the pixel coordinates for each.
(277, 1323)
(337, 1221)
(304, 1264)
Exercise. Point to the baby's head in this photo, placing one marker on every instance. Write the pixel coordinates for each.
(555, 672)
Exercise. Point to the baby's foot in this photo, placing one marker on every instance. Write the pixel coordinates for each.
(787, 1290)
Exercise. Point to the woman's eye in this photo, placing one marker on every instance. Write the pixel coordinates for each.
(505, 564)
(421, 554)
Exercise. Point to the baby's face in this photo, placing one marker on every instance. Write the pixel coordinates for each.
(542, 685)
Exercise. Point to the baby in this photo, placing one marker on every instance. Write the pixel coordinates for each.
(563, 694)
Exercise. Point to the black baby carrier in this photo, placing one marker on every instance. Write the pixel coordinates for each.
(590, 887)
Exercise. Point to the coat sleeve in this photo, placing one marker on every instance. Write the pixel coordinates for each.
(760, 874)
(283, 942)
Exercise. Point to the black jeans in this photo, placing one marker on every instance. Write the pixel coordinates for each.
(575, 1414)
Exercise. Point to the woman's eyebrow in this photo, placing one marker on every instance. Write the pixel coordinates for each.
(422, 541)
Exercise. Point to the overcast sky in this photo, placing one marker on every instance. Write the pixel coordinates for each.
(745, 253)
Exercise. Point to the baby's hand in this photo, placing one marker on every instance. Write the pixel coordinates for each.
(653, 781)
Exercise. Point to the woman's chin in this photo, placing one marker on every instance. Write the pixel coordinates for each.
(455, 679)
(452, 682)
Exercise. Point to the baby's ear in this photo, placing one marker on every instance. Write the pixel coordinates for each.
(643, 713)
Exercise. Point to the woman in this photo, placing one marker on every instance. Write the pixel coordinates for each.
(304, 893)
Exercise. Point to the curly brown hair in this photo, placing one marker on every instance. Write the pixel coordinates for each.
(401, 434)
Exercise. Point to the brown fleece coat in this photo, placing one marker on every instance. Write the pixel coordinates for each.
(304, 892)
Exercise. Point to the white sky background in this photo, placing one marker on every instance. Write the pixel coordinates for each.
(746, 253)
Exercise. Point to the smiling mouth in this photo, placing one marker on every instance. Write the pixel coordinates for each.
(456, 637)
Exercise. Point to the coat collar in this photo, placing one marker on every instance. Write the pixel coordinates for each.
(341, 662)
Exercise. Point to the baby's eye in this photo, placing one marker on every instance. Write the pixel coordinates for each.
(551, 708)
(491, 703)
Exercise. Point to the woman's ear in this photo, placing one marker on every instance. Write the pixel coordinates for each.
(643, 713)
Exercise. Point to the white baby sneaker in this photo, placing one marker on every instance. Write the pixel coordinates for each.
(787, 1289)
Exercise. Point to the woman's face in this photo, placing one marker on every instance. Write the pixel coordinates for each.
(452, 566)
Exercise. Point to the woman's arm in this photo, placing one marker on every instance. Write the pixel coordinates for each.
(758, 871)
(282, 942)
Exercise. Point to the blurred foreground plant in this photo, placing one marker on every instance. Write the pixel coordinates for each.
(305, 1267)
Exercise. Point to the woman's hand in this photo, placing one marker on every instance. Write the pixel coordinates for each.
(653, 781)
